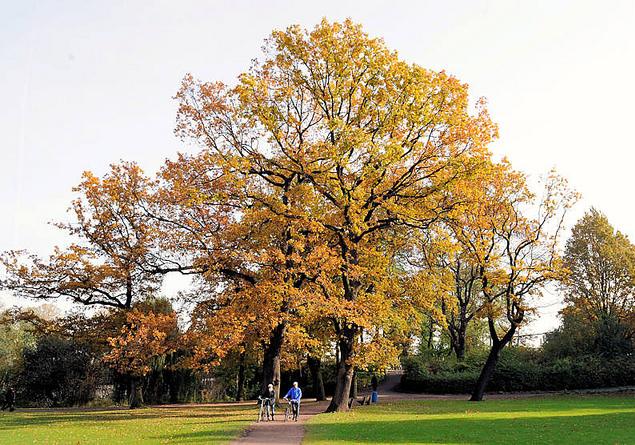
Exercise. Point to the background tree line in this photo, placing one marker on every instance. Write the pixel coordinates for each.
(593, 347)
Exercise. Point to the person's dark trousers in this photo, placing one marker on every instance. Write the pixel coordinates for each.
(272, 408)
(296, 407)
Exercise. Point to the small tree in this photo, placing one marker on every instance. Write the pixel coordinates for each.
(516, 255)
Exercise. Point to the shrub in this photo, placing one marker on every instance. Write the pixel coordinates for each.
(59, 372)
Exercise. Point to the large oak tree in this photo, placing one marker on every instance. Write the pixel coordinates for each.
(371, 140)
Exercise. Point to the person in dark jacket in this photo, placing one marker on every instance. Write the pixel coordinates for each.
(269, 399)
(374, 396)
(9, 399)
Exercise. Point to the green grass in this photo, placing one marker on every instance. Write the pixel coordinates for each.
(170, 425)
(547, 420)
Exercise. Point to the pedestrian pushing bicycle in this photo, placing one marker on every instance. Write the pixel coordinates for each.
(267, 404)
(293, 397)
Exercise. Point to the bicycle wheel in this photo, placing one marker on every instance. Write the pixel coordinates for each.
(286, 413)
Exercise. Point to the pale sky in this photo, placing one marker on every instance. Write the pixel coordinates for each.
(87, 83)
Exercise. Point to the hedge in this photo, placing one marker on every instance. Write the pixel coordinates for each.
(519, 372)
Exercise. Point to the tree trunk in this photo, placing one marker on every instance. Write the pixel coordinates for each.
(457, 330)
(315, 366)
(490, 363)
(486, 373)
(136, 393)
(345, 370)
(459, 345)
(174, 384)
(271, 359)
(354, 386)
(240, 384)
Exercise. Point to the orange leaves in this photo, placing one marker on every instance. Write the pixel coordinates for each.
(114, 256)
(511, 236)
(339, 147)
(377, 352)
(145, 338)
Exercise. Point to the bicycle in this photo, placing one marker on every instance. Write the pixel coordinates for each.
(292, 410)
(265, 409)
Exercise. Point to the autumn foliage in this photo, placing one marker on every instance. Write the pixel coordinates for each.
(338, 193)
(144, 338)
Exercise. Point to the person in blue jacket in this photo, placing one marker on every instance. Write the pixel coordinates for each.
(294, 395)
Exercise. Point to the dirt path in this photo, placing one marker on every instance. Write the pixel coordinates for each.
(279, 431)
(292, 433)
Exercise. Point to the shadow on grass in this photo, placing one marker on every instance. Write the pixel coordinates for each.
(608, 428)
(27, 419)
(209, 437)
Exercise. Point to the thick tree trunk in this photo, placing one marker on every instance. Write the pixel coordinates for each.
(345, 371)
(271, 359)
(486, 373)
(135, 398)
(315, 366)
(490, 363)
(240, 383)
(343, 382)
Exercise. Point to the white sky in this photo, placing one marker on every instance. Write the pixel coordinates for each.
(87, 83)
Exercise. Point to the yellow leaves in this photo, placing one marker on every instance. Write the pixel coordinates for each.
(379, 353)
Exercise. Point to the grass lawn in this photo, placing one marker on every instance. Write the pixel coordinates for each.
(173, 425)
(545, 420)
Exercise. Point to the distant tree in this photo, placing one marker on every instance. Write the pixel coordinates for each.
(515, 252)
(113, 262)
(16, 335)
(574, 337)
(601, 285)
(452, 273)
(146, 338)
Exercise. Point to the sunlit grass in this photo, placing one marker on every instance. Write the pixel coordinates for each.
(177, 425)
(549, 420)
